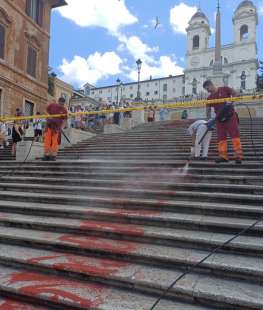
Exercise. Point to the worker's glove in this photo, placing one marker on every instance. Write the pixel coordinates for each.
(211, 124)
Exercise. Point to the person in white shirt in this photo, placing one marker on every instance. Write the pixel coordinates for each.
(38, 128)
(201, 137)
(3, 135)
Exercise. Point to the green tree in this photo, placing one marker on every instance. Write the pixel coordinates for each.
(260, 76)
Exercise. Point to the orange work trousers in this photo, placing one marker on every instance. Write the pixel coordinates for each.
(51, 141)
(222, 148)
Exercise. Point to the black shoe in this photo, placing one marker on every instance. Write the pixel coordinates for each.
(46, 158)
(238, 161)
(221, 160)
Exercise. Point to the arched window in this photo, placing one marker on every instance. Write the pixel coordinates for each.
(211, 63)
(225, 61)
(196, 40)
(194, 90)
(243, 32)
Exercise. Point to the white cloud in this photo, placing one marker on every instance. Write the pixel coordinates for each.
(180, 15)
(95, 67)
(164, 67)
(137, 48)
(109, 14)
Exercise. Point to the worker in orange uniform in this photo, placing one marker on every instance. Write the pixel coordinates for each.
(53, 129)
(227, 122)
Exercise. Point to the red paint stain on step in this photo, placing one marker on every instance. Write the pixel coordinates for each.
(86, 265)
(113, 227)
(114, 246)
(14, 305)
(57, 289)
(134, 212)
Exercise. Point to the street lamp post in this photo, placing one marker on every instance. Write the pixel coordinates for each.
(118, 84)
(121, 84)
(139, 65)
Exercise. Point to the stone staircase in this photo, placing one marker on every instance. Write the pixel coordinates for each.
(5, 154)
(118, 218)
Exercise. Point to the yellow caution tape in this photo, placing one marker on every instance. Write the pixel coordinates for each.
(176, 105)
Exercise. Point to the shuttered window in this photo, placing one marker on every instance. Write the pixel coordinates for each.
(31, 61)
(34, 9)
(2, 41)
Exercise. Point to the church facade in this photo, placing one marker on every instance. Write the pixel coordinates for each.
(239, 59)
(238, 64)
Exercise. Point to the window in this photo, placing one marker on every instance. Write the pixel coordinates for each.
(131, 95)
(92, 92)
(34, 9)
(100, 92)
(164, 87)
(243, 32)
(196, 42)
(29, 108)
(225, 61)
(156, 92)
(174, 90)
(2, 41)
(211, 63)
(31, 61)
(155, 83)
(131, 87)
(148, 93)
(183, 90)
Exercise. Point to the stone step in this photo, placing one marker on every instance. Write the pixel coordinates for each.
(157, 141)
(117, 156)
(157, 147)
(174, 183)
(153, 153)
(142, 232)
(225, 262)
(129, 210)
(249, 193)
(58, 292)
(151, 279)
(196, 167)
(135, 163)
(56, 177)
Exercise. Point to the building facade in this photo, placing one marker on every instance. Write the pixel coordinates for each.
(24, 51)
(239, 63)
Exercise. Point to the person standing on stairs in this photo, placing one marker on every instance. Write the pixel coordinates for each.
(53, 129)
(201, 137)
(227, 122)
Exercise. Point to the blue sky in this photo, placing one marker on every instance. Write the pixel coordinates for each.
(98, 41)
